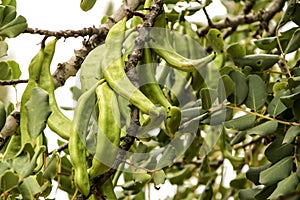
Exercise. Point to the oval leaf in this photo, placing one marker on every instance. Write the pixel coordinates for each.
(257, 92)
(285, 187)
(264, 129)
(38, 111)
(291, 133)
(277, 172)
(241, 88)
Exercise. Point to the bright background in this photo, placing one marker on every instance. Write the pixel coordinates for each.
(56, 15)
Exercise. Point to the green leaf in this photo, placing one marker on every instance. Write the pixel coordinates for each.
(8, 180)
(225, 87)
(3, 49)
(291, 133)
(241, 136)
(286, 17)
(239, 182)
(296, 15)
(214, 37)
(29, 188)
(277, 172)
(278, 86)
(257, 61)
(9, 14)
(9, 70)
(241, 87)
(208, 96)
(264, 129)
(167, 157)
(293, 82)
(52, 166)
(285, 187)
(159, 177)
(253, 173)
(277, 151)
(13, 147)
(140, 153)
(9, 2)
(265, 192)
(5, 71)
(248, 194)
(296, 110)
(266, 44)
(179, 176)
(236, 50)
(257, 92)
(294, 43)
(208, 191)
(241, 123)
(141, 177)
(14, 28)
(90, 71)
(15, 69)
(38, 111)
(288, 100)
(276, 106)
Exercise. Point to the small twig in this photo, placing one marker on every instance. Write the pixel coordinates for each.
(12, 82)
(60, 148)
(210, 23)
(263, 15)
(263, 116)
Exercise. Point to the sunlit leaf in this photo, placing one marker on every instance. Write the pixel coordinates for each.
(38, 111)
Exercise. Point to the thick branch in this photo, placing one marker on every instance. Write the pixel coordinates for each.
(131, 73)
(64, 34)
(70, 68)
(263, 16)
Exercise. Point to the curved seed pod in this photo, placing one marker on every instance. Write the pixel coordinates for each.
(115, 75)
(148, 83)
(197, 79)
(77, 149)
(86, 5)
(258, 62)
(153, 91)
(161, 45)
(108, 136)
(57, 121)
(34, 75)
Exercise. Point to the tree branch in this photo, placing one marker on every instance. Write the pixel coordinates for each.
(70, 68)
(66, 33)
(263, 16)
